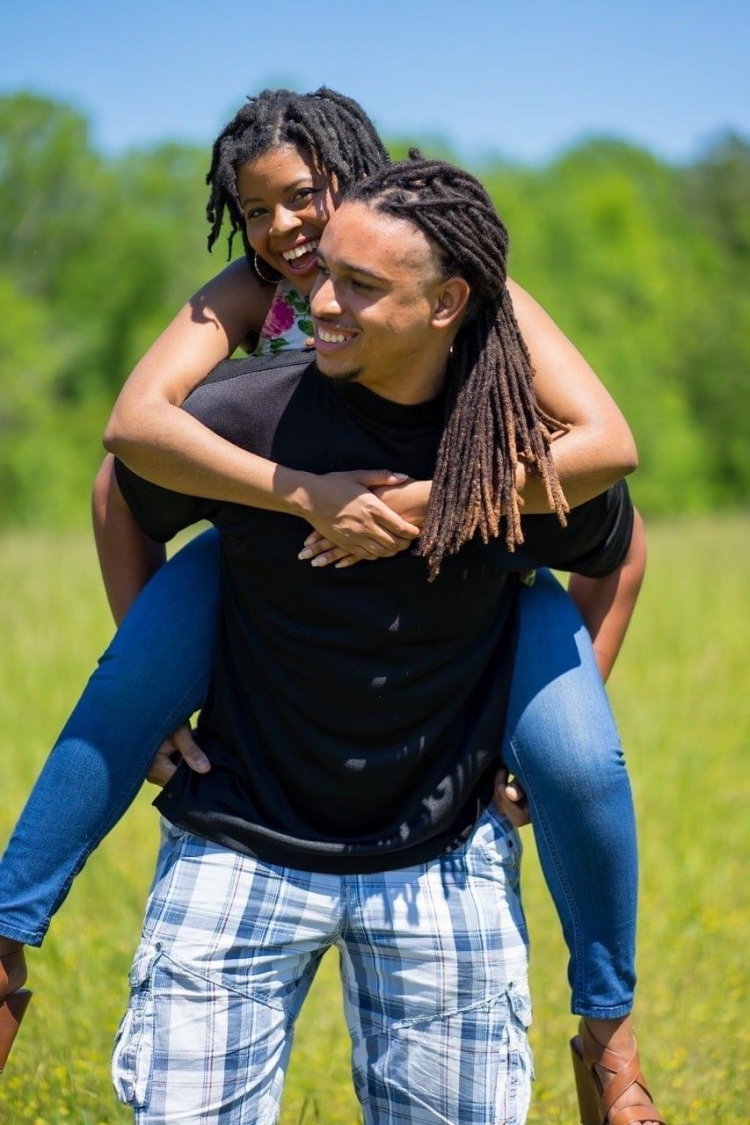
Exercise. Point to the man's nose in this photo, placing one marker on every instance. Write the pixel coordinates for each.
(324, 301)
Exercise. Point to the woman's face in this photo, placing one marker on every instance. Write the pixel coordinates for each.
(286, 203)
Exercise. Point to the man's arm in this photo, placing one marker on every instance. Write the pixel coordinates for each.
(607, 604)
(127, 557)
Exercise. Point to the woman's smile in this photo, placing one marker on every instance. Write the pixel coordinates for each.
(286, 203)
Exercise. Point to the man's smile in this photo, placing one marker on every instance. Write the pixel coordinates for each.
(328, 339)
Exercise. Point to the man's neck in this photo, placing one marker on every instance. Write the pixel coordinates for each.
(407, 387)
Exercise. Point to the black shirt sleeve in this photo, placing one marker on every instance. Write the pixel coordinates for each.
(159, 512)
(594, 543)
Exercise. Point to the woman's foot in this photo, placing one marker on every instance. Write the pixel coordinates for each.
(609, 1050)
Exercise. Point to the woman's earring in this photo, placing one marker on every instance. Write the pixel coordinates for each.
(261, 275)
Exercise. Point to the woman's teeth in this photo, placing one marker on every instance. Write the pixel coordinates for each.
(298, 251)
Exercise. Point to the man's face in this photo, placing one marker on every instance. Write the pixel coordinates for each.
(374, 300)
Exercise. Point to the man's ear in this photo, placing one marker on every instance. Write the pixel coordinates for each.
(450, 303)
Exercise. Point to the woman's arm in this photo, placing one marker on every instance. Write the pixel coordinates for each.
(158, 440)
(150, 432)
(598, 450)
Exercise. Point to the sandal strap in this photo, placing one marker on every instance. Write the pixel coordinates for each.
(625, 1074)
(635, 1115)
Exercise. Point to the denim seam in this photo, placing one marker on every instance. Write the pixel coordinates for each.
(176, 716)
(570, 900)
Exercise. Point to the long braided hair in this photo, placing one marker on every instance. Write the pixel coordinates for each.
(325, 126)
(492, 415)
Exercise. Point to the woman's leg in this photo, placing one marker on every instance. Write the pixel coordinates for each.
(562, 743)
(151, 678)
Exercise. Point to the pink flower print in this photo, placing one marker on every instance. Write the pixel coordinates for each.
(279, 320)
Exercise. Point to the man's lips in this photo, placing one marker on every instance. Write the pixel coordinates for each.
(330, 338)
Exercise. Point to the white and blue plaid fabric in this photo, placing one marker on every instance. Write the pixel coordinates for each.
(434, 969)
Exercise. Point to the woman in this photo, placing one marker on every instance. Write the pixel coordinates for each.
(279, 168)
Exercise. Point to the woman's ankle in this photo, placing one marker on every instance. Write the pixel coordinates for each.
(9, 945)
(12, 968)
(606, 1031)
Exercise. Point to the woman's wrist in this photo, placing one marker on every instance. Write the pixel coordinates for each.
(410, 500)
(297, 491)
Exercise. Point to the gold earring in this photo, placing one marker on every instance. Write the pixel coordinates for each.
(261, 275)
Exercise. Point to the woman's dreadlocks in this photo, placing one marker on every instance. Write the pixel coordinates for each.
(492, 414)
(332, 130)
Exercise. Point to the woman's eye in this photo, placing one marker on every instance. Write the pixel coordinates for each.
(361, 285)
(256, 213)
(305, 193)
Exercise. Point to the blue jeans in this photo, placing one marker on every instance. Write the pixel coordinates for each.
(561, 741)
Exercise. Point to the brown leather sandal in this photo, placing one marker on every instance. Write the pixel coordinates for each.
(16, 1000)
(595, 1101)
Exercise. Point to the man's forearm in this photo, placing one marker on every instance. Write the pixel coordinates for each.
(607, 604)
(126, 556)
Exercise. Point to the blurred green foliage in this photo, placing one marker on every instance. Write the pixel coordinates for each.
(643, 264)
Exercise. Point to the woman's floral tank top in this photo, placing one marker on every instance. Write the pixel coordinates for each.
(288, 324)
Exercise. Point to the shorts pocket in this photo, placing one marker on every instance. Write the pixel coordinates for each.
(520, 1072)
(502, 843)
(132, 1057)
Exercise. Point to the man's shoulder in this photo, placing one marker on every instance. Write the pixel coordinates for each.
(268, 369)
(243, 400)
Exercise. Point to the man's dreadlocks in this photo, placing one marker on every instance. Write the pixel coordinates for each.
(492, 414)
(332, 130)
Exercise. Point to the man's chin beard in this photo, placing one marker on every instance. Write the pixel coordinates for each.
(342, 376)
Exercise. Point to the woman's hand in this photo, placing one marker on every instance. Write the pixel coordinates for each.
(405, 498)
(351, 522)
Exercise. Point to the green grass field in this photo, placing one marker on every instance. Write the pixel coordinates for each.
(682, 696)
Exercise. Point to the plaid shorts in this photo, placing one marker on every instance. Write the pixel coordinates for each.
(434, 971)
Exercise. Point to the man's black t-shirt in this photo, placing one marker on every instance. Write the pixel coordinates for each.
(355, 716)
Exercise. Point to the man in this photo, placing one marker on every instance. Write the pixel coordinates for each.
(353, 720)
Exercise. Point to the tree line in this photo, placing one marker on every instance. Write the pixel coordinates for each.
(643, 264)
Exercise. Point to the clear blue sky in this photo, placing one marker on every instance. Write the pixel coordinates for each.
(522, 78)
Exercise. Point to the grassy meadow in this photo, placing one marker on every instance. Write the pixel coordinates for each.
(682, 696)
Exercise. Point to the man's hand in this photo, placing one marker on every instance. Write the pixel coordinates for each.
(353, 521)
(510, 799)
(180, 744)
(407, 500)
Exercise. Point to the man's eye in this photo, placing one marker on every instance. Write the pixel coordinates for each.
(361, 284)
